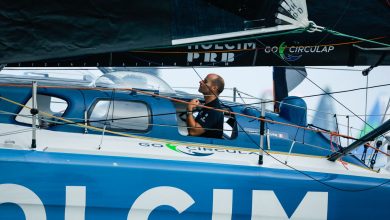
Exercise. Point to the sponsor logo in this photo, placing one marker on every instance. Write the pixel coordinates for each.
(216, 53)
(187, 150)
(314, 205)
(205, 151)
(295, 52)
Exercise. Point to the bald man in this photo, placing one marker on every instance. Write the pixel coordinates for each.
(208, 123)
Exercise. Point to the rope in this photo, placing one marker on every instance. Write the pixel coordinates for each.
(161, 125)
(250, 96)
(375, 149)
(71, 123)
(297, 170)
(236, 113)
(244, 50)
(180, 101)
(125, 134)
(365, 106)
(356, 38)
(186, 103)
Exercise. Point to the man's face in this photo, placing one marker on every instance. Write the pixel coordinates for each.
(205, 85)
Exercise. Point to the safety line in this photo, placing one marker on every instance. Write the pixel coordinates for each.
(203, 106)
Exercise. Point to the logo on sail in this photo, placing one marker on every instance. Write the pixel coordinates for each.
(217, 53)
(294, 53)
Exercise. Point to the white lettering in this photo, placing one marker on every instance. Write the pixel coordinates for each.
(230, 47)
(75, 203)
(222, 204)
(265, 205)
(249, 46)
(227, 57)
(218, 47)
(325, 49)
(192, 56)
(158, 196)
(206, 57)
(26, 199)
(207, 47)
(212, 57)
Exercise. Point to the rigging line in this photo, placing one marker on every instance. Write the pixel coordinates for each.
(98, 129)
(131, 67)
(337, 126)
(86, 126)
(235, 113)
(322, 94)
(221, 110)
(138, 123)
(177, 126)
(270, 101)
(151, 124)
(328, 120)
(377, 149)
(209, 147)
(338, 20)
(365, 109)
(291, 167)
(108, 131)
(129, 89)
(249, 50)
(130, 135)
(367, 115)
(338, 69)
(239, 94)
(357, 38)
(81, 125)
(347, 190)
(122, 118)
(299, 71)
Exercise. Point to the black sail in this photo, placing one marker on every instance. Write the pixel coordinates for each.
(151, 33)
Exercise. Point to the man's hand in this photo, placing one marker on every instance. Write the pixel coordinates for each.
(194, 128)
(193, 103)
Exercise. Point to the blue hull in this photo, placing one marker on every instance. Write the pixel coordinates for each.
(112, 185)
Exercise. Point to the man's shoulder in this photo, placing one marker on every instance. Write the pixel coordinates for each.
(216, 103)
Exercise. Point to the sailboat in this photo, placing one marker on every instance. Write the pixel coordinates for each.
(115, 145)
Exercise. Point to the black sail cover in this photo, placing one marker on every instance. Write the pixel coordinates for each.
(164, 33)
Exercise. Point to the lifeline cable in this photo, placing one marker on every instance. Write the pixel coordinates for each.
(347, 190)
(140, 137)
(298, 70)
(302, 172)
